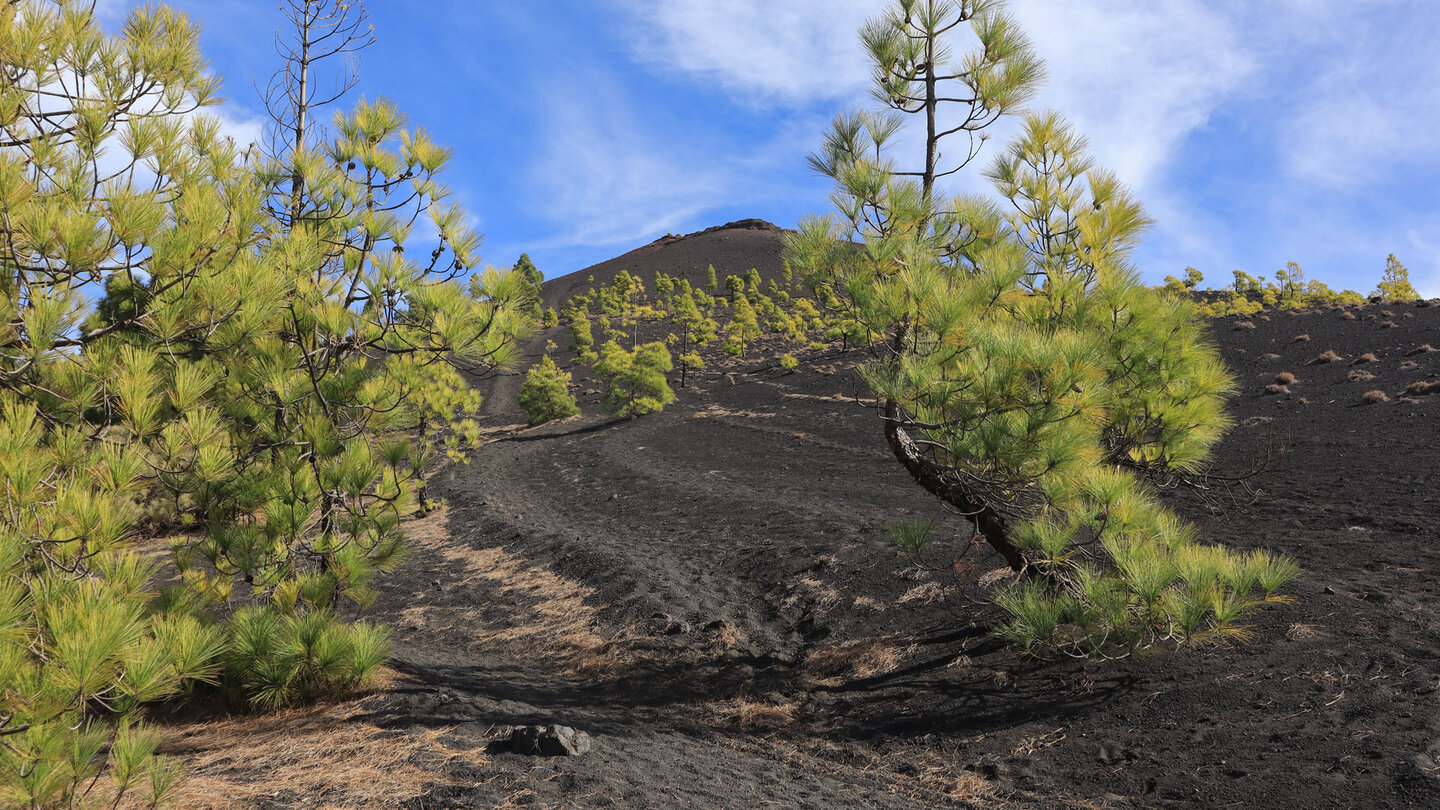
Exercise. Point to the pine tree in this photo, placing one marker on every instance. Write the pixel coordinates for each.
(1029, 380)
(696, 330)
(1395, 284)
(711, 283)
(265, 389)
(743, 327)
(545, 394)
(635, 381)
(584, 339)
(533, 294)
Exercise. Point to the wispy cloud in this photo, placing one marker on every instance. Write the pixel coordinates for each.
(758, 50)
(609, 176)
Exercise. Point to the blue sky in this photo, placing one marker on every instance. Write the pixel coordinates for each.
(1255, 133)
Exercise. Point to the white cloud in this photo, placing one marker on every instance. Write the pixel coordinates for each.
(1365, 104)
(611, 178)
(756, 49)
(1136, 78)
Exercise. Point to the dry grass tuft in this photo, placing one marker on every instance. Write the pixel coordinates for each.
(1329, 356)
(1359, 375)
(869, 604)
(1374, 397)
(1387, 313)
(1284, 378)
(1408, 365)
(1367, 357)
(1424, 348)
(751, 714)
(1387, 324)
(1275, 388)
(1299, 631)
(1421, 388)
(1239, 325)
(1301, 339)
(863, 658)
(715, 411)
(925, 593)
(1347, 315)
(318, 752)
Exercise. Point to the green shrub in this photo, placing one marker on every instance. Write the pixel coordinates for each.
(635, 381)
(545, 394)
(273, 659)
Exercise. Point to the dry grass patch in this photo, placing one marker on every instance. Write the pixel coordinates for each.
(925, 593)
(1275, 388)
(818, 593)
(317, 752)
(1374, 397)
(1347, 315)
(753, 715)
(865, 658)
(1424, 348)
(1284, 378)
(1421, 388)
(869, 604)
(1387, 324)
(1367, 357)
(1329, 356)
(1359, 375)
(1301, 339)
(1241, 325)
(714, 411)
(547, 613)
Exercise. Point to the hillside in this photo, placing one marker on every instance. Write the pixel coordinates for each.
(710, 593)
(732, 248)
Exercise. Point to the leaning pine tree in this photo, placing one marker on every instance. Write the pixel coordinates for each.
(1028, 379)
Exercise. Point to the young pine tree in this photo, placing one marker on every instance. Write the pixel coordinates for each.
(743, 328)
(695, 330)
(1028, 379)
(635, 381)
(583, 339)
(1395, 284)
(533, 279)
(545, 394)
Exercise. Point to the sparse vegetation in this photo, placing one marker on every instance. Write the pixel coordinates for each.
(1328, 356)
(1374, 397)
